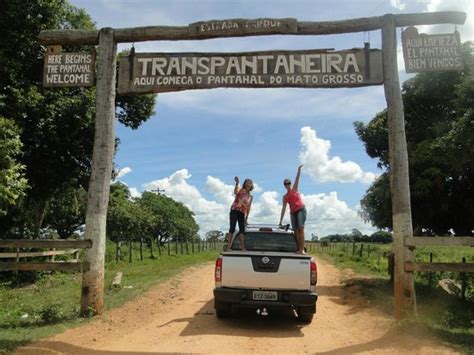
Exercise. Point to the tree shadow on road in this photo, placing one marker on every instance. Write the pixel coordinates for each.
(358, 294)
(46, 347)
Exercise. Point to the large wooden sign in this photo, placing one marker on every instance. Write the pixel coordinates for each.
(162, 72)
(69, 69)
(423, 52)
(237, 27)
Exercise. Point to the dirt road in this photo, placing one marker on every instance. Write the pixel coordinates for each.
(178, 317)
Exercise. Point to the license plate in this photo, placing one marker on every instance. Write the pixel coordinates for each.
(265, 295)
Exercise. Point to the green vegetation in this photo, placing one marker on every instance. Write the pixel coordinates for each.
(447, 316)
(439, 119)
(48, 133)
(51, 304)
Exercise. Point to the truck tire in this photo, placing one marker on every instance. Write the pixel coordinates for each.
(223, 310)
(305, 314)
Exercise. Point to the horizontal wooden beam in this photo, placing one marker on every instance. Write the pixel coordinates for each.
(443, 241)
(45, 243)
(37, 266)
(455, 267)
(37, 253)
(174, 33)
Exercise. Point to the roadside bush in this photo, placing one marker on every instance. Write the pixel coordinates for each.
(52, 313)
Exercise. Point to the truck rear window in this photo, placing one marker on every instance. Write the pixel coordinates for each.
(267, 241)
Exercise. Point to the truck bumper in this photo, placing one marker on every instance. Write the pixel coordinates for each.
(243, 297)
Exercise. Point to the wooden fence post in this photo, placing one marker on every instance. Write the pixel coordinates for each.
(169, 247)
(141, 249)
(430, 274)
(404, 285)
(92, 292)
(118, 251)
(151, 248)
(463, 282)
(353, 248)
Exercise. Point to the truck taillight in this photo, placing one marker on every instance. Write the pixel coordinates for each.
(314, 273)
(218, 271)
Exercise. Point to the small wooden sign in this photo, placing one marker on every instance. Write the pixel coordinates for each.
(242, 26)
(68, 69)
(162, 72)
(439, 52)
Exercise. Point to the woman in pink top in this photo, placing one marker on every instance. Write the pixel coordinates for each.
(297, 209)
(240, 209)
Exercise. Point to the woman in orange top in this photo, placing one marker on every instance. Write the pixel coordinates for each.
(297, 209)
(240, 209)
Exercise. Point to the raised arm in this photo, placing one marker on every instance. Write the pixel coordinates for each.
(297, 178)
(236, 187)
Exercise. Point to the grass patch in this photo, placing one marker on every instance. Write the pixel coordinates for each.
(31, 311)
(447, 317)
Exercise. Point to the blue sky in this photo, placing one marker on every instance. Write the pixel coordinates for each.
(198, 140)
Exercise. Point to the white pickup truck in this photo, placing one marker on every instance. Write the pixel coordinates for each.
(267, 275)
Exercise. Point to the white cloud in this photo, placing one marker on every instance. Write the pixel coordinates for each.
(398, 4)
(326, 214)
(209, 214)
(222, 192)
(134, 192)
(123, 172)
(315, 155)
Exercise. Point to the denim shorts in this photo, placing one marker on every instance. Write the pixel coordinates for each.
(298, 218)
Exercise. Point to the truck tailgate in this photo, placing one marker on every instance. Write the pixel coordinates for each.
(276, 271)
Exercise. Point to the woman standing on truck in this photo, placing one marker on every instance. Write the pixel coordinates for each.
(240, 209)
(297, 209)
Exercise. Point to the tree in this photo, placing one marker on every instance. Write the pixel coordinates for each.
(439, 114)
(174, 220)
(66, 211)
(381, 237)
(214, 236)
(12, 181)
(57, 125)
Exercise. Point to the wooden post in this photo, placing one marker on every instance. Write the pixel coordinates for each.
(152, 256)
(463, 282)
(430, 274)
(118, 251)
(141, 249)
(92, 293)
(353, 248)
(130, 250)
(361, 250)
(169, 247)
(404, 287)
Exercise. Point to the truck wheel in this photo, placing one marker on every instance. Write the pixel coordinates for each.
(305, 314)
(223, 310)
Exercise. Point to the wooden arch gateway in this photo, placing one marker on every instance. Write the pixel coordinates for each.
(153, 72)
